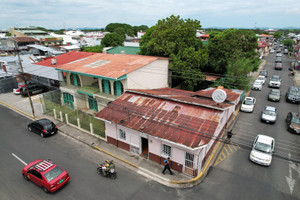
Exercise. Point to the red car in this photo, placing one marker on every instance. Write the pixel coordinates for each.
(46, 175)
(278, 66)
(18, 90)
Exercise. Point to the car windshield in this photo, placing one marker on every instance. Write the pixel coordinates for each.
(269, 112)
(263, 147)
(261, 78)
(294, 92)
(257, 83)
(275, 79)
(248, 102)
(274, 92)
(53, 173)
(48, 126)
(296, 120)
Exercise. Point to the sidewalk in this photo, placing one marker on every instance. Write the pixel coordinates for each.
(143, 166)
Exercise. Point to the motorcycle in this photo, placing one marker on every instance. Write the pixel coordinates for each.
(292, 73)
(110, 174)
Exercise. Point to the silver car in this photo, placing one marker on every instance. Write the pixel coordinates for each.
(269, 114)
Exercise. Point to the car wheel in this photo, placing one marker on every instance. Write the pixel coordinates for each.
(42, 135)
(29, 128)
(45, 190)
(25, 177)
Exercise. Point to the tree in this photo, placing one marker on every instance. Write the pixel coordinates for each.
(96, 49)
(120, 31)
(112, 26)
(277, 34)
(288, 42)
(112, 40)
(169, 36)
(227, 45)
(176, 38)
(61, 31)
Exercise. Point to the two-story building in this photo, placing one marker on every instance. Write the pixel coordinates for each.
(90, 83)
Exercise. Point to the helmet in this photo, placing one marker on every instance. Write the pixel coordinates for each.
(107, 161)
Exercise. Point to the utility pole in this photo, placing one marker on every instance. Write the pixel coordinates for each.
(22, 71)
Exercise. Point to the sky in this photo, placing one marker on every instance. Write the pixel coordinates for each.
(63, 14)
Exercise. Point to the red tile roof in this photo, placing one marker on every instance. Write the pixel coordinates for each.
(109, 65)
(166, 113)
(65, 58)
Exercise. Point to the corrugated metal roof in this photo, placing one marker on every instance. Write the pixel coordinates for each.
(113, 65)
(46, 49)
(180, 122)
(127, 50)
(232, 95)
(65, 58)
(24, 39)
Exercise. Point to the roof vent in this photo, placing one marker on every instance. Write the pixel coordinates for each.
(53, 61)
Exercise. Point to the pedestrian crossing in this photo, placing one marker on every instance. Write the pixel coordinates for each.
(226, 152)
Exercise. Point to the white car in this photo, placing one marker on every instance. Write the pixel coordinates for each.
(248, 104)
(262, 79)
(275, 81)
(257, 85)
(272, 51)
(262, 150)
(269, 114)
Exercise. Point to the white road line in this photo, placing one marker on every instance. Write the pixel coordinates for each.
(14, 155)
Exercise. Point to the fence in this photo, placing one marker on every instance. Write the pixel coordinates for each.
(52, 106)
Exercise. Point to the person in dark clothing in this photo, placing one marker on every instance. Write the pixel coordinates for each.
(167, 166)
(229, 135)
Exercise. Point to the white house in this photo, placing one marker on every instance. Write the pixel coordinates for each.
(166, 122)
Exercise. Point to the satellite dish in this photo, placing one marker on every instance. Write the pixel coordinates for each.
(219, 95)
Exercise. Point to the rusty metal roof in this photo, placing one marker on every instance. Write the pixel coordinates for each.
(160, 113)
(232, 95)
(24, 39)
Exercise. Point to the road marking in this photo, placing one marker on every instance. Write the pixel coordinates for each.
(14, 155)
(225, 153)
(289, 179)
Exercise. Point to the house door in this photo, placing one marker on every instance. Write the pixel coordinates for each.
(145, 150)
(189, 164)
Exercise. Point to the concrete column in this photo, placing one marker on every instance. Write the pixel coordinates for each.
(78, 122)
(67, 118)
(61, 116)
(91, 128)
(54, 112)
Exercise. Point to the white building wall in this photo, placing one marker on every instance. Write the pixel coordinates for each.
(151, 76)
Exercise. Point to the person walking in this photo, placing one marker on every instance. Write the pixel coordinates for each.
(229, 135)
(167, 166)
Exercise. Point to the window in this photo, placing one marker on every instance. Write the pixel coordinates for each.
(93, 104)
(122, 134)
(189, 160)
(166, 150)
(68, 100)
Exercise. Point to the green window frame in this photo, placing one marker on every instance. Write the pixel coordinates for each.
(93, 105)
(68, 100)
(118, 88)
(106, 86)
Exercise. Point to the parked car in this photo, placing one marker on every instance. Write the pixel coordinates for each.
(278, 60)
(33, 89)
(269, 114)
(262, 150)
(274, 95)
(278, 66)
(43, 127)
(293, 94)
(17, 90)
(47, 175)
(285, 51)
(257, 85)
(272, 50)
(278, 50)
(262, 79)
(264, 73)
(248, 104)
(293, 122)
(275, 81)
(278, 55)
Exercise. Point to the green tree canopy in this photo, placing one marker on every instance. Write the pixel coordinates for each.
(288, 42)
(169, 36)
(112, 26)
(121, 32)
(96, 49)
(112, 40)
(227, 45)
(277, 34)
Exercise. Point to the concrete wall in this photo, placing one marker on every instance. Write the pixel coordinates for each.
(151, 76)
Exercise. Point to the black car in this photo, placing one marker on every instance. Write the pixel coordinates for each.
(293, 95)
(264, 73)
(293, 122)
(33, 89)
(43, 127)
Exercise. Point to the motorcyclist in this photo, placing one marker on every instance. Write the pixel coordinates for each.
(106, 167)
